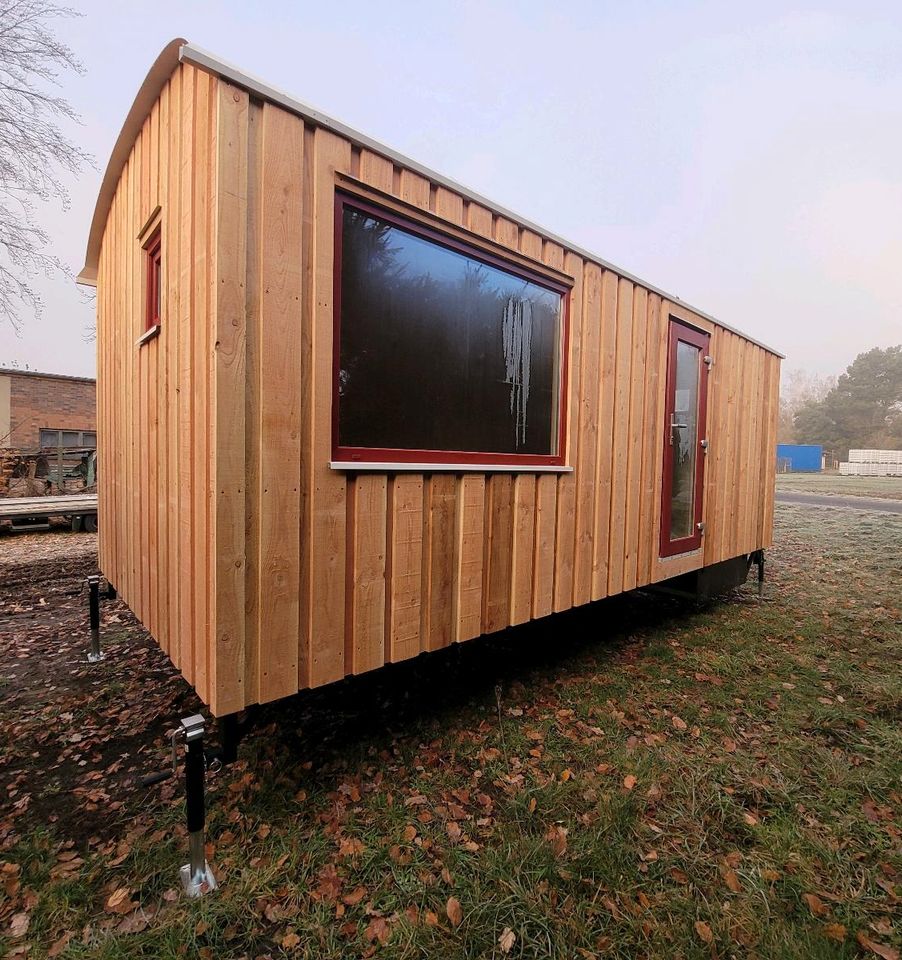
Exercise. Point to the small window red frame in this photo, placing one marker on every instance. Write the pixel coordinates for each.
(376, 457)
(153, 251)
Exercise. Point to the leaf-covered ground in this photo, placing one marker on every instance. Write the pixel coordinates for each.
(640, 779)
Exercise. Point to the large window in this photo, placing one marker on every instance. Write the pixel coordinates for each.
(446, 354)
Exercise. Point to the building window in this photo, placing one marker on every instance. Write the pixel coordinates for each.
(154, 277)
(445, 353)
(52, 439)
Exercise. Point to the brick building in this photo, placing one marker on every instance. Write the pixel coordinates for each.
(46, 410)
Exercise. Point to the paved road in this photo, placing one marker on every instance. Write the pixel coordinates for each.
(853, 503)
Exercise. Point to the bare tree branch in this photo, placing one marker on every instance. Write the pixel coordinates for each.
(34, 153)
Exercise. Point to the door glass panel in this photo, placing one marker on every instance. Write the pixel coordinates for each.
(684, 438)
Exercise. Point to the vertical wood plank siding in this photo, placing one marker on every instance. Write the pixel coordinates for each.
(258, 568)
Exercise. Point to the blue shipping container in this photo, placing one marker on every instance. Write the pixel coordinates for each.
(802, 457)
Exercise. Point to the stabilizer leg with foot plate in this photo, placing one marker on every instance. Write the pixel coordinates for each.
(96, 654)
(197, 878)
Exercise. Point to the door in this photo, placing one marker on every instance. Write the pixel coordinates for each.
(685, 442)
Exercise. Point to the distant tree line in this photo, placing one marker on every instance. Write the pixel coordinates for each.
(863, 409)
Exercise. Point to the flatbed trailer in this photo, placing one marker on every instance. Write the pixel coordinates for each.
(37, 511)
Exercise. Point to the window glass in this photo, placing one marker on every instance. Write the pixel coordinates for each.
(441, 350)
(684, 438)
(154, 275)
(49, 438)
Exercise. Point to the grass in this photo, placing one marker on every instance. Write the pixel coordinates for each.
(832, 484)
(642, 779)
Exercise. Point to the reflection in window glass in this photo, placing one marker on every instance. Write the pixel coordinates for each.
(684, 437)
(440, 351)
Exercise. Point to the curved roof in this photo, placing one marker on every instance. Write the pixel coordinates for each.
(179, 50)
(162, 69)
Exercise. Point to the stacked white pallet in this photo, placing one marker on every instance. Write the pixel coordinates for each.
(872, 463)
(876, 456)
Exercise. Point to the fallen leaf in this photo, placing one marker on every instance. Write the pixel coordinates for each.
(704, 931)
(835, 931)
(678, 722)
(817, 906)
(881, 949)
(18, 926)
(378, 929)
(60, 945)
(350, 847)
(506, 940)
(558, 837)
(120, 901)
(355, 896)
(136, 922)
(290, 940)
(629, 781)
(732, 880)
(454, 912)
(566, 775)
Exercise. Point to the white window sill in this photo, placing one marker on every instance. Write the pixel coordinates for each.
(354, 465)
(148, 335)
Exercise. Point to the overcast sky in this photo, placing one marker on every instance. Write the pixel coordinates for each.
(745, 157)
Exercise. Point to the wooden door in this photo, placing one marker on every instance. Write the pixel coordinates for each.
(685, 441)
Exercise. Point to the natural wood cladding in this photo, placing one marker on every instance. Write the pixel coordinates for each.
(261, 570)
(156, 409)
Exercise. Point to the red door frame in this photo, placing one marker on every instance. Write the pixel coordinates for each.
(679, 330)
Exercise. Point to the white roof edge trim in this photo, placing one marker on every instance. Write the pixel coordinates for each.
(205, 60)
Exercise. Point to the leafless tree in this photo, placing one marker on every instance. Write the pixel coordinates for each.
(35, 154)
(798, 389)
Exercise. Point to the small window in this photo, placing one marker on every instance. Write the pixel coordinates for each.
(154, 274)
(445, 352)
(52, 439)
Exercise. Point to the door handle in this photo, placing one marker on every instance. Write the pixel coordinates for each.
(674, 425)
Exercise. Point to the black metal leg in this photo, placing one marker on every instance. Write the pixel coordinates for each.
(197, 878)
(230, 737)
(95, 656)
(760, 573)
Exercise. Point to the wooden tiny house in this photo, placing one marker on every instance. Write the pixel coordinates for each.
(350, 411)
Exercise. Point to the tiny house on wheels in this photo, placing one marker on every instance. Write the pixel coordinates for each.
(350, 411)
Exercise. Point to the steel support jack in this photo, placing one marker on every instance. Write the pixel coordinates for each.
(96, 654)
(758, 558)
(196, 876)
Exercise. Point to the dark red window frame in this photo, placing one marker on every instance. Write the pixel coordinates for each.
(680, 330)
(377, 455)
(153, 252)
